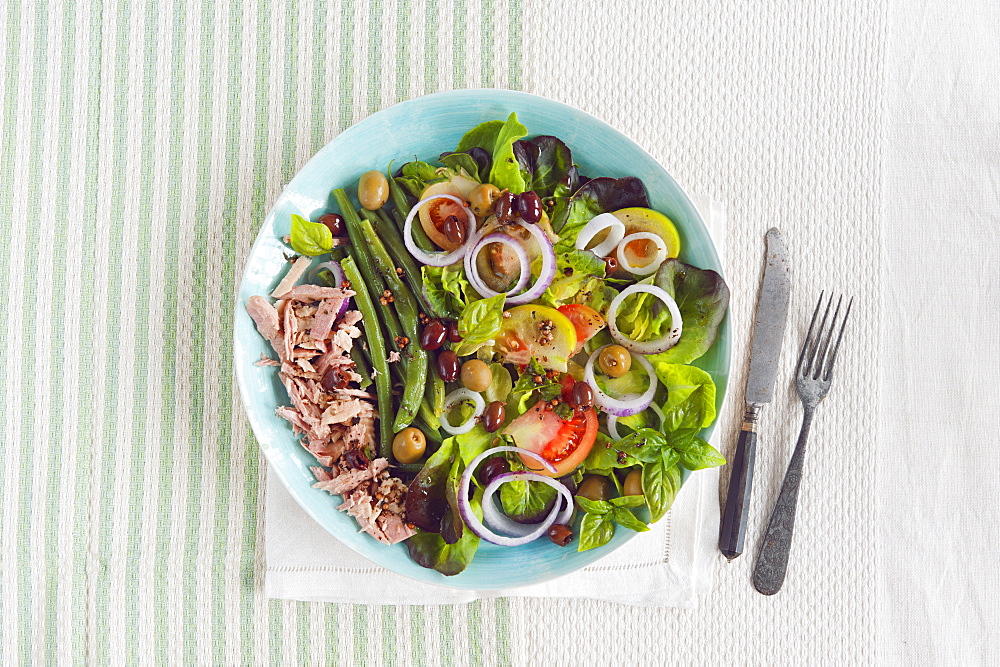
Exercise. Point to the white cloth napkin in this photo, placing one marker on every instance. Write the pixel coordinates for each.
(671, 565)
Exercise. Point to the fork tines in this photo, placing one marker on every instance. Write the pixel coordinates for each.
(816, 358)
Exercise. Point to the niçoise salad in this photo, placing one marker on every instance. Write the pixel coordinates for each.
(495, 347)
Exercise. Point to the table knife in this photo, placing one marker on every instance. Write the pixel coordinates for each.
(765, 349)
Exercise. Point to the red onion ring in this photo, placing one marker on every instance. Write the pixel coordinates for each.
(620, 407)
(453, 399)
(661, 344)
(597, 225)
(546, 273)
(465, 507)
(339, 278)
(438, 258)
(472, 271)
(500, 521)
(651, 267)
(613, 420)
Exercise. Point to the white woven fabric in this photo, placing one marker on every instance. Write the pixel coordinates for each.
(671, 565)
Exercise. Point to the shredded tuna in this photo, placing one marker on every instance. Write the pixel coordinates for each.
(337, 425)
(266, 361)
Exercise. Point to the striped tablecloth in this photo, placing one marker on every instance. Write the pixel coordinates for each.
(142, 144)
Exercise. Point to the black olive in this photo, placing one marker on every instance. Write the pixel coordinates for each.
(529, 206)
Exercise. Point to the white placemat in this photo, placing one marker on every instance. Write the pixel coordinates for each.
(671, 565)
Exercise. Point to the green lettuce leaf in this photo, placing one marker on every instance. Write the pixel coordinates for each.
(461, 162)
(574, 269)
(506, 173)
(431, 551)
(479, 323)
(482, 136)
(702, 297)
(447, 289)
(415, 176)
(596, 196)
(698, 455)
(310, 238)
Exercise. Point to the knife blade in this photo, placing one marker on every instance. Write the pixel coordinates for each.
(765, 352)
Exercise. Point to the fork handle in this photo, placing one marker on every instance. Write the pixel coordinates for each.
(772, 561)
(734, 520)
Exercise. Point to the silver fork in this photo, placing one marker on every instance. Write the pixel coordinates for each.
(813, 376)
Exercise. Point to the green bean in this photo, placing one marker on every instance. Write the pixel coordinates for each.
(403, 207)
(361, 366)
(383, 385)
(406, 306)
(436, 394)
(426, 415)
(411, 271)
(373, 281)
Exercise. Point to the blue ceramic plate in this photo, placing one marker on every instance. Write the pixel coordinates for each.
(425, 127)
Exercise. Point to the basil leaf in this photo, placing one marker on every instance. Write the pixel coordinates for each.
(431, 551)
(310, 238)
(625, 518)
(483, 136)
(690, 396)
(479, 323)
(698, 455)
(628, 501)
(506, 172)
(596, 530)
(660, 482)
(526, 392)
(526, 501)
(594, 506)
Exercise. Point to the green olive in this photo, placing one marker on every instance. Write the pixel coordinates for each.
(615, 360)
(373, 190)
(476, 375)
(633, 483)
(595, 487)
(409, 445)
(483, 198)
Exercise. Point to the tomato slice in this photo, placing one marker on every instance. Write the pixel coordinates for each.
(435, 212)
(564, 443)
(585, 320)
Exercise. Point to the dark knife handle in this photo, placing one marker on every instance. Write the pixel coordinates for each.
(734, 519)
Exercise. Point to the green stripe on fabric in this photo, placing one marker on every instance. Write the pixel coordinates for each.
(171, 312)
(194, 375)
(461, 13)
(347, 63)
(374, 58)
(389, 649)
(59, 299)
(250, 499)
(112, 417)
(431, 63)
(514, 49)
(320, 84)
(361, 654)
(228, 287)
(403, 64)
(488, 66)
(29, 311)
